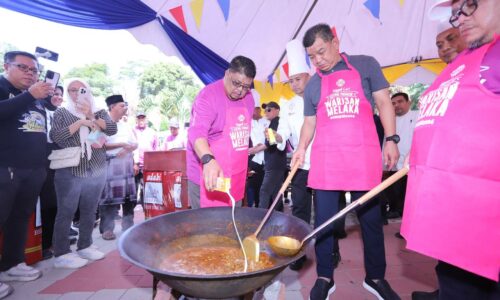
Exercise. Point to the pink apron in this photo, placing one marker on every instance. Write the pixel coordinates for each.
(452, 207)
(345, 154)
(231, 153)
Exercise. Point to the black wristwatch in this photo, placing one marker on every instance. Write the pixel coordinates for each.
(206, 158)
(395, 138)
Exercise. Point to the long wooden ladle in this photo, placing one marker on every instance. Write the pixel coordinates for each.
(287, 246)
(251, 244)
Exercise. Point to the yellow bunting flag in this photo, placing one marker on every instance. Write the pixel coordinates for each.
(197, 10)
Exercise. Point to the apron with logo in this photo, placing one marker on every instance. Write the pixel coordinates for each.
(231, 153)
(345, 154)
(452, 207)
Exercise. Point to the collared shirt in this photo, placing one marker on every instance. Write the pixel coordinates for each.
(178, 141)
(147, 140)
(405, 125)
(257, 136)
(291, 121)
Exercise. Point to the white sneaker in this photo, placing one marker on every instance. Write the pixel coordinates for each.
(5, 290)
(69, 261)
(21, 272)
(90, 254)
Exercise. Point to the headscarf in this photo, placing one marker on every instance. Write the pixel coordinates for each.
(71, 107)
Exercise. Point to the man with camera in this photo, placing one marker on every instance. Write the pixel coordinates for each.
(23, 156)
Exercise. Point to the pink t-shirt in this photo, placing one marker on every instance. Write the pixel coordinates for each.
(207, 121)
(490, 75)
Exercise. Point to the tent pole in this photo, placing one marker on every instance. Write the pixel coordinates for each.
(296, 33)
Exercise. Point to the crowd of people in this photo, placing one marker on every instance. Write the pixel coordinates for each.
(328, 129)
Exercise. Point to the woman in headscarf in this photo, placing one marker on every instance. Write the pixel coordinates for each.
(79, 186)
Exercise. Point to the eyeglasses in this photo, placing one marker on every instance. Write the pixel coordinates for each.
(468, 8)
(237, 85)
(26, 68)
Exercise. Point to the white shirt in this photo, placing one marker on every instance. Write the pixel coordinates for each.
(291, 121)
(405, 125)
(179, 142)
(258, 137)
(124, 134)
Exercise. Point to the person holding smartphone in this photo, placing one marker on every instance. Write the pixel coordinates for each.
(80, 186)
(22, 160)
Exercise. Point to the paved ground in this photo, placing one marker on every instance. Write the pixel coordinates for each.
(114, 278)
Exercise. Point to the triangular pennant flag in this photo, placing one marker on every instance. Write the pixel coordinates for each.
(334, 31)
(224, 6)
(178, 15)
(401, 2)
(374, 7)
(308, 61)
(277, 73)
(285, 69)
(197, 10)
(270, 79)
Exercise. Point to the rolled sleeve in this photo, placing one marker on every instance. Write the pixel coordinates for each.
(203, 115)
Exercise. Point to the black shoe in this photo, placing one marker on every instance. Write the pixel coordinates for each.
(322, 289)
(298, 264)
(336, 259)
(393, 215)
(425, 295)
(398, 235)
(47, 254)
(381, 289)
(385, 221)
(340, 234)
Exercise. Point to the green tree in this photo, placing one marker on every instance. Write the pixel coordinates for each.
(133, 69)
(5, 47)
(168, 89)
(414, 91)
(97, 75)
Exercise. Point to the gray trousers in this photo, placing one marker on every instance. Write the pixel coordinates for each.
(194, 196)
(72, 193)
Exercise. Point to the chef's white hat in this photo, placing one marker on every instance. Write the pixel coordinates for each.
(441, 10)
(443, 25)
(296, 55)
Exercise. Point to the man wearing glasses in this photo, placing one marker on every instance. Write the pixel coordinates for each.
(23, 155)
(218, 136)
(454, 155)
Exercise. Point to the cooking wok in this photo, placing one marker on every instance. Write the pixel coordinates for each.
(146, 244)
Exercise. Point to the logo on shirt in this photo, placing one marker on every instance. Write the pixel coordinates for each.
(340, 82)
(33, 122)
(240, 134)
(435, 103)
(342, 103)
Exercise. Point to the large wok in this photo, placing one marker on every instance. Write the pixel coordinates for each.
(147, 243)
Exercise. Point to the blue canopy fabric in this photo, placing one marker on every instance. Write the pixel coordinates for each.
(123, 14)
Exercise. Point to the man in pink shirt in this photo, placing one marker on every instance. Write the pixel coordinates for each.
(454, 154)
(218, 136)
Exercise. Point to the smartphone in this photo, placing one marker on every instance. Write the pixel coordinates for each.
(82, 93)
(52, 78)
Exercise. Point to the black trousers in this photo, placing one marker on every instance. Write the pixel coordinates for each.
(19, 191)
(301, 196)
(48, 204)
(458, 284)
(254, 183)
(395, 194)
(273, 179)
(326, 205)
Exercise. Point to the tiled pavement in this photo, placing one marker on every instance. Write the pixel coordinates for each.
(114, 278)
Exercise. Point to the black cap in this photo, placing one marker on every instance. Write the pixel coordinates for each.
(114, 99)
(271, 104)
